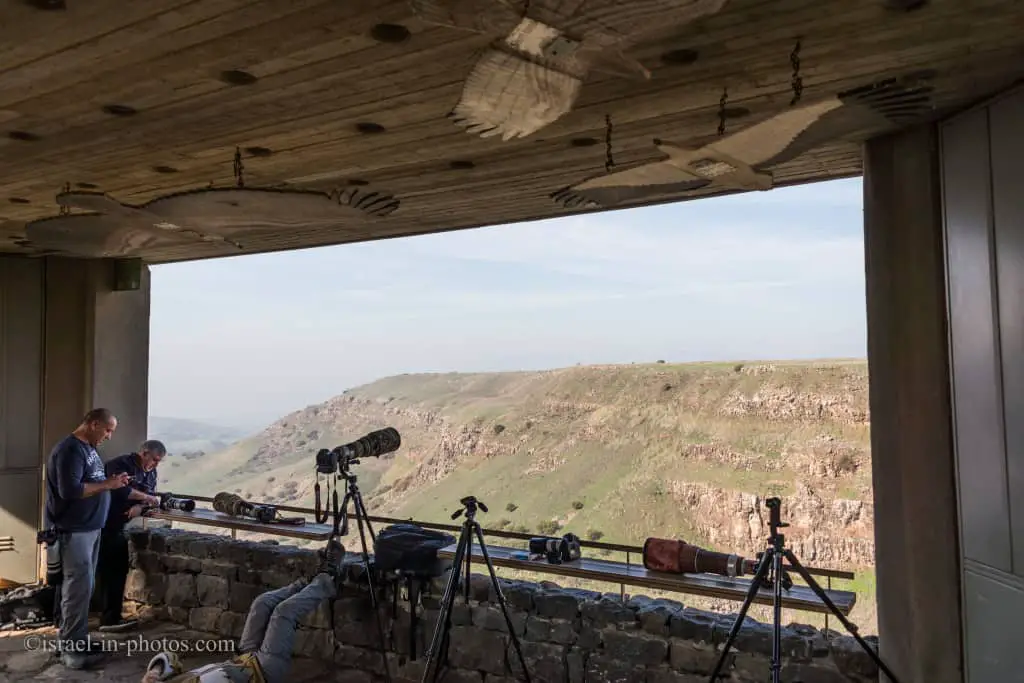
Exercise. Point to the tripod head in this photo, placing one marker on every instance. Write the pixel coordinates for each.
(469, 507)
(775, 522)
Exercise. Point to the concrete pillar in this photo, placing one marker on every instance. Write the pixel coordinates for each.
(68, 342)
(916, 532)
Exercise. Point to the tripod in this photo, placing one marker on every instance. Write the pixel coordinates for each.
(353, 494)
(463, 551)
(770, 571)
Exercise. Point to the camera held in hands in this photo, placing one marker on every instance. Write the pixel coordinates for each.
(373, 445)
(169, 502)
(557, 550)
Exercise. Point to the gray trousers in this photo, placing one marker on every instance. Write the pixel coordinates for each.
(273, 617)
(79, 553)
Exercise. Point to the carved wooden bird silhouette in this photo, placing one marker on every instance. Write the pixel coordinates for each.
(533, 72)
(216, 215)
(740, 161)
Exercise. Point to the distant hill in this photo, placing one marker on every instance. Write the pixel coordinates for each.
(616, 453)
(191, 436)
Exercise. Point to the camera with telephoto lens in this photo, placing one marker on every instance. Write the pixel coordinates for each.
(373, 445)
(557, 550)
(169, 502)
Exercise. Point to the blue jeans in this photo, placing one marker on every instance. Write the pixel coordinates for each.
(273, 617)
(79, 553)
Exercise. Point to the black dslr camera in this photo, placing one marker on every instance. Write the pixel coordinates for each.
(557, 550)
(169, 502)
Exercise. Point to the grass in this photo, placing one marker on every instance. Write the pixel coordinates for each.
(658, 449)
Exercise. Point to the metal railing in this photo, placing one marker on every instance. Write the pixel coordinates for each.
(629, 550)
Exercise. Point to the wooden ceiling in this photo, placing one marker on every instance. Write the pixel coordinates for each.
(141, 99)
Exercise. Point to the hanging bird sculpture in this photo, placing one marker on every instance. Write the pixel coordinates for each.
(222, 216)
(533, 72)
(740, 161)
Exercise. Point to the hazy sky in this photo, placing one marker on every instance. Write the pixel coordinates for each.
(773, 275)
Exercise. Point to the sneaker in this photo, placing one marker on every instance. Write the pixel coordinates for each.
(331, 557)
(78, 660)
(119, 626)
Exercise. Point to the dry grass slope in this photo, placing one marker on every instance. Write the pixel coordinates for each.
(612, 452)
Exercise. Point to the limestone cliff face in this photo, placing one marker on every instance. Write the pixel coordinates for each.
(706, 442)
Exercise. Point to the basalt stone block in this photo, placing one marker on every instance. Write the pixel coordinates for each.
(851, 659)
(475, 649)
(635, 647)
(724, 623)
(273, 578)
(688, 657)
(544, 661)
(665, 675)
(589, 638)
(353, 607)
(177, 564)
(479, 586)
(181, 591)
(212, 591)
(147, 588)
(608, 612)
(563, 631)
(320, 617)
(750, 666)
(148, 562)
(537, 629)
(518, 595)
(655, 616)
(576, 665)
(219, 568)
(358, 634)
(266, 557)
(462, 676)
(179, 615)
(359, 658)
(492, 618)
(249, 576)
(203, 548)
(241, 596)
(692, 624)
(314, 642)
(231, 624)
(556, 604)
(239, 553)
(204, 618)
(604, 669)
(758, 638)
(816, 642)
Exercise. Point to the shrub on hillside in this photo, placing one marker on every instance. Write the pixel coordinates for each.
(502, 523)
(271, 479)
(548, 527)
(511, 507)
(498, 429)
(595, 534)
(577, 505)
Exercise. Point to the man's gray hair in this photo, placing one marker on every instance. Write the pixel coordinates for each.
(155, 447)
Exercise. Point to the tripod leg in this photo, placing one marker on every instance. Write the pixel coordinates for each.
(777, 617)
(361, 513)
(755, 586)
(373, 598)
(501, 600)
(344, 515)
(791, 558)
(444, 613)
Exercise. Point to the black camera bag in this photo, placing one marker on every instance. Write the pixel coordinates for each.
(411, 549)
(409, 552)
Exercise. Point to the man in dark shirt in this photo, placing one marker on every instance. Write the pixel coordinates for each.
(125, 504)
(77, 501)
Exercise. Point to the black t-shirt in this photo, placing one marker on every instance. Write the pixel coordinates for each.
(141, 480)
(72, 464)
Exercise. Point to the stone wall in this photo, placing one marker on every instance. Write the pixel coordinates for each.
(568, 635)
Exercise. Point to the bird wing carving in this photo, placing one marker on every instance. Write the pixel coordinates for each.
(740, 160)
(214, 215)
(533, 72)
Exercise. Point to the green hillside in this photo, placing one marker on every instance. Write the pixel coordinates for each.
(618, 453)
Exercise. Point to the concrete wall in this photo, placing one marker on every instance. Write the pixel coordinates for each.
(67, 343)
(574, 636)
(983, 195)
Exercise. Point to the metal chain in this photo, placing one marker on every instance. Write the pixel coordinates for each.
(239, 168)
(721, 111)
(609, 161)
(797, 81)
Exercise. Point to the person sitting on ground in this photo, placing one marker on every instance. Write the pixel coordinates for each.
(268, 635)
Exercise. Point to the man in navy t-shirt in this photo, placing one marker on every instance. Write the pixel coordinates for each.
(125, 504)
(77, 501)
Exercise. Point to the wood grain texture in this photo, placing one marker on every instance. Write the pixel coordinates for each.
(316, 74)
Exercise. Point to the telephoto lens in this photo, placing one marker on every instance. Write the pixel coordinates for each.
(172, 503)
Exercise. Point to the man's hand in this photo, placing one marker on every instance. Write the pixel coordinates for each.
(133, 512)
(118, 481)
(152, 501)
